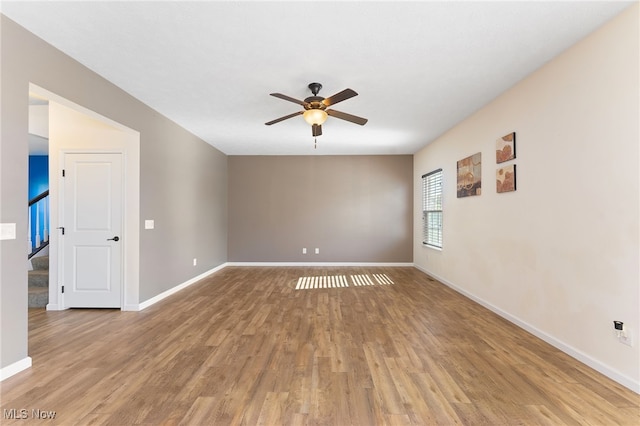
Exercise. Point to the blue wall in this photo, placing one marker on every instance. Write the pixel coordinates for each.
(38, 174)
(38, 183)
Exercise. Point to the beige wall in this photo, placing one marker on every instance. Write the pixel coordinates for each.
(560, 255)
(183, 180)
(353, 208)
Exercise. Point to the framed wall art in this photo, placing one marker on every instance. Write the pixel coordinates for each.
(506, 179)
(470, 176)
(506, 148)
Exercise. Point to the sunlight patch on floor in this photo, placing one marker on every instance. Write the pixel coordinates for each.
(338, 281)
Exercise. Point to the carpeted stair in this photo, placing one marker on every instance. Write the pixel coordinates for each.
(39, 282)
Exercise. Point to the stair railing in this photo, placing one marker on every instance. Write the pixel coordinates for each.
(38, 208)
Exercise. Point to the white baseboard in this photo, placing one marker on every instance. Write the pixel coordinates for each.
(15, 368)
(164, 295)
(54, 307)
(131, 307)
(606, 370)
(392, 264)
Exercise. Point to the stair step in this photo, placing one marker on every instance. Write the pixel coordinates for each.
(40, 262)
(39, 282)
(39, 278)
(38, 297)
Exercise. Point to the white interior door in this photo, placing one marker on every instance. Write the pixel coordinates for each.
(92, 220)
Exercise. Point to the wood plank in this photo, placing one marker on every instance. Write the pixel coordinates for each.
(244, 347)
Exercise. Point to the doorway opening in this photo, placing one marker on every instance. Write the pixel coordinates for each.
(76, 129)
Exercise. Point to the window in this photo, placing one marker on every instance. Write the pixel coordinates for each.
(432, 209)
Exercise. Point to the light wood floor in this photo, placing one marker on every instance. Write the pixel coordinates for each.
(244, 347)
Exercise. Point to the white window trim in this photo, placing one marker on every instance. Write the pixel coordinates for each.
(432, 203)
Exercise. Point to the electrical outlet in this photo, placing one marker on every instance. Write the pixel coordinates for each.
(195, 261)
(622, 333)
(304, 250)
(317, 250)
(625, 339)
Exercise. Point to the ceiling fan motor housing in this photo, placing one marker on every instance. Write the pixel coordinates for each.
(314, 102)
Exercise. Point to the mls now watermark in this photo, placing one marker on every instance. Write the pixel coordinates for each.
(24, 414)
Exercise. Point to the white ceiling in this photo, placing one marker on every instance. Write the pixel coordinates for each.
(419, 67)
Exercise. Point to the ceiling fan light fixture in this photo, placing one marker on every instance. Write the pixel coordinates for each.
(315, 116)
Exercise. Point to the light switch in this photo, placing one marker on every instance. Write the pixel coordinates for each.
(149, 224)
(7, 231)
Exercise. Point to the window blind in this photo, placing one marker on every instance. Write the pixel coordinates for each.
(432, 208)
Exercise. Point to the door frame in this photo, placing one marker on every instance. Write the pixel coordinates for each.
(128, 144)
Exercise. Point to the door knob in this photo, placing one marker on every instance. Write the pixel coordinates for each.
(116, 238)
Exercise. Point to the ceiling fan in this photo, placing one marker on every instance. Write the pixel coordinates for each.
(315, 108)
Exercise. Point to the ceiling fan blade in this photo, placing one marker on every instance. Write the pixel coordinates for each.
(348, 117)
(316, 130)
(277, 120)
(339, 97)
(288, 98)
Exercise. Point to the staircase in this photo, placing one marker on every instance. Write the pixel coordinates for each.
(39, 282)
